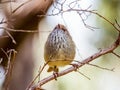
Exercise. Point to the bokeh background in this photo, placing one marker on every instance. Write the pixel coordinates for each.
(87, 43)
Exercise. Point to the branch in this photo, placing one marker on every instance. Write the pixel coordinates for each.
(86, 61)
(10, 54)
(116, 54)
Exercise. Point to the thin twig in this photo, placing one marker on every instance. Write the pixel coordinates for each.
(31, 83)
(117, 23)
(13, 40)
(96, 66)
(83, 75)
(101, 67)
(116, 54)
(12, 54)
(7, 69)
(22, 31)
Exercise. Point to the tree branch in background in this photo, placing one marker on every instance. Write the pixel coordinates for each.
(24, 19)
(11, 54)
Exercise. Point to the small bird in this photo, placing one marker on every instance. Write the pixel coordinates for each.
(59, 48)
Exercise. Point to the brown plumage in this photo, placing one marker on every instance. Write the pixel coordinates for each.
(59, 48)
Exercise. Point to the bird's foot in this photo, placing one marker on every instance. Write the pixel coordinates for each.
(76, 66)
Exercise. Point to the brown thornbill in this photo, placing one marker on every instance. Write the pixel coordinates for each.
(59, 48)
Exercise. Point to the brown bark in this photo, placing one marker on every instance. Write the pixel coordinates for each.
(25, 18)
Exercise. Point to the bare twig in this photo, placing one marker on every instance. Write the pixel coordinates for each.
(7, 68)
(22, 31)
(116, 54)
(13, 40)
(86, 10)
(96, 66)
(10, 64)
(118, 25)
(83, 74)
(86, 25)
(31, 83)
(12, 55)
(101, 67)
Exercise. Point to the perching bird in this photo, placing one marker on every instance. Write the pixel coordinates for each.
(59, 48)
